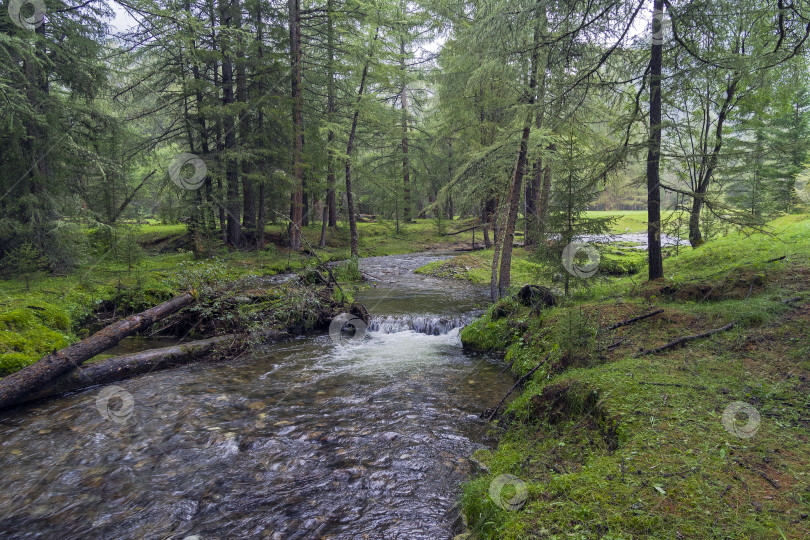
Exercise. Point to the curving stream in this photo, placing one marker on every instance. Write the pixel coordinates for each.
(305, 439)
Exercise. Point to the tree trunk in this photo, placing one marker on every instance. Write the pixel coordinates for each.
(296, 197)
(488, 219)
(248, 189)
(656, 265)
(505, 277)
(324, 223)
(261, 218)
(231, 164)
(350, 149)
(695, 236)
(35, 376)
(709, 163)
(331, 201)
(406, 173)
(223, 225)
(494, 293)
(450, 206)
(513, 201)
(533, 189)
(545, 196)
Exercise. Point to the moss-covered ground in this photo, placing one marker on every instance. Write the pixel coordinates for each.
(612, 443)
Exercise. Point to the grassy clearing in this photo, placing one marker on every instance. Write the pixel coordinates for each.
(612, 445)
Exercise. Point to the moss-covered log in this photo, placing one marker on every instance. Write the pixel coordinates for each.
(29, 380)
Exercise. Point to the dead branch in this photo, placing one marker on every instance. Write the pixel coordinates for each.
(494, 411)
(685, 339)
(634, 319)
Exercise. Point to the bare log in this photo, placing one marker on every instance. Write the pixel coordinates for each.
(685, 339)
(122, 367)
(32, 378)
(464, 230)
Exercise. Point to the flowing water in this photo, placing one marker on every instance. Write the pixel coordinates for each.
(361, 437)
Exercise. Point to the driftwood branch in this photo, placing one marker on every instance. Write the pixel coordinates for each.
(634, 319)
(37, 375)
(685, 339)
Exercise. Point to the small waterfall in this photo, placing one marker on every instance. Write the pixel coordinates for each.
(427, 324)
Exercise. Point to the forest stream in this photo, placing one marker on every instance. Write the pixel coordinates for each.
(361, 437)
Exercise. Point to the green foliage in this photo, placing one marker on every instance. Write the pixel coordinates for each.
(348, 270)
(201, 276)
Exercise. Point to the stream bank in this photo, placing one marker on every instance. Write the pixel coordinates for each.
(666, 409)
(313, 436)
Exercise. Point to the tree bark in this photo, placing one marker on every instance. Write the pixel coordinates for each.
(35, 376)
(655, 259)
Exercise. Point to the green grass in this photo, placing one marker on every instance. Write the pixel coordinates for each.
(614, 446)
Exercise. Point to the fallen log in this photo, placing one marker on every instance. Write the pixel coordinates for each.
(634, 319)
(685, 339)
(464, 230)
(122, 367)
(32, 378)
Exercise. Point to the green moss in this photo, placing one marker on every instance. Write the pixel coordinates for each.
(484, 334)
(616, 262)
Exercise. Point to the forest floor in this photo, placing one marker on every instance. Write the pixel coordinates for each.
(706, 440)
